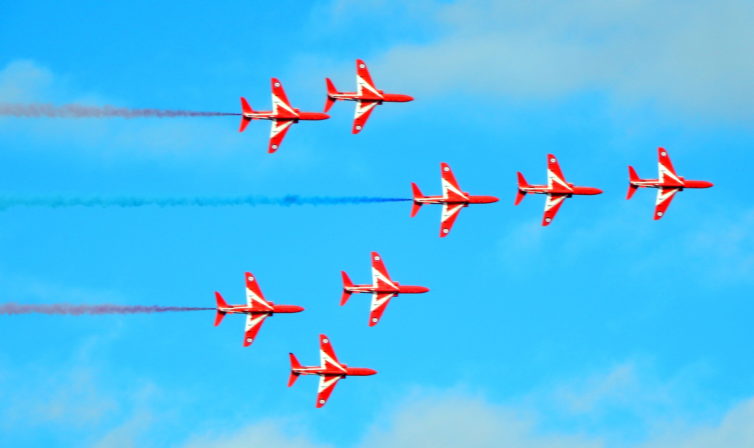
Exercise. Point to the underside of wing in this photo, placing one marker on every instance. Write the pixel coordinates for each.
(327, 357)
(449, 214)
(666, 172)
(326, 386)
(664, 198)
(555, 177)
(280, 103)
(380, 277)
(552, 205)
(363, 111)
(253, 324)
(254, 297)
(380, 302)
(450, 188)
(277, 133)
(364, 85)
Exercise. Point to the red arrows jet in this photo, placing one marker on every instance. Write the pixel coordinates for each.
(668, 184)
(330, 370)
(382, 289)
(367, 96)
(453, 199)
(283, 115)
(257, 309)
(557, 189)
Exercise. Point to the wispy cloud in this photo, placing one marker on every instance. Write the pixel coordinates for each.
(690, 56)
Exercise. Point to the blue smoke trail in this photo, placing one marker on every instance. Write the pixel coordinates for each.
(131, 202)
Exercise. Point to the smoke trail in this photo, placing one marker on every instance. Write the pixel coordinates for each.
(77, 310)
(80, 111)
(129, 202)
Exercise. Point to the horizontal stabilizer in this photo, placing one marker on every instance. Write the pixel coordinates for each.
(294, 365)
(521, 184)
(331, 90)
(346, 284)
(417, 193)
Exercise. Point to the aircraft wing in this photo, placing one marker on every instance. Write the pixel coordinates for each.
(380, 300)
(326, 386)
(254, 297)
(277, 133)
(253, 324)
(280, 104)
(327, 354)
(380, 277)
(666, 172)
(363, 111)
(552, 205)
(664, 198)
(449, 214)
(555, 177)
(450, 188)
(364, 85)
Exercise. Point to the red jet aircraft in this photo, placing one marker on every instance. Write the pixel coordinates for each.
(557, 189)
(257, 309)
(382, 289)
(367, 96)
(283, 115)
(330, 370)
(453, 199)
(668, 184)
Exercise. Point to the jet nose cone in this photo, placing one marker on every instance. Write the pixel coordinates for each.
(422, 289)
(491, 199)
(707, 184)
(370, 372)
(408, 98)
(296, 309)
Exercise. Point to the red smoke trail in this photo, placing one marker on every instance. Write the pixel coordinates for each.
(79, 111)
(77, 310)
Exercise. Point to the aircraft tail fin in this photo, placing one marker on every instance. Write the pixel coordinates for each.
(245, 109)
(632, 177)
(331, 90)
(346, 284)
(417, 193)
(521, 183)
(294, 365)
(220, 304)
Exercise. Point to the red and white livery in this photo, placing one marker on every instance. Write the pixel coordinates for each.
(330, 370)
(282, 115)
(453, 199)
(383, 288)
(668, 183)
(257, 309)
(367, 96)
(557, 189)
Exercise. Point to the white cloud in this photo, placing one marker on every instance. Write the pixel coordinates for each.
(268, 433)
(690, 56)
(460, 421)
(735, 430)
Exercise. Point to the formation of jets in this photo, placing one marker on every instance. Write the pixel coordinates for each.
(283, 115)
(453, 199)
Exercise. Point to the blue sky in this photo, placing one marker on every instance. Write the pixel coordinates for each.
(604, 329)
